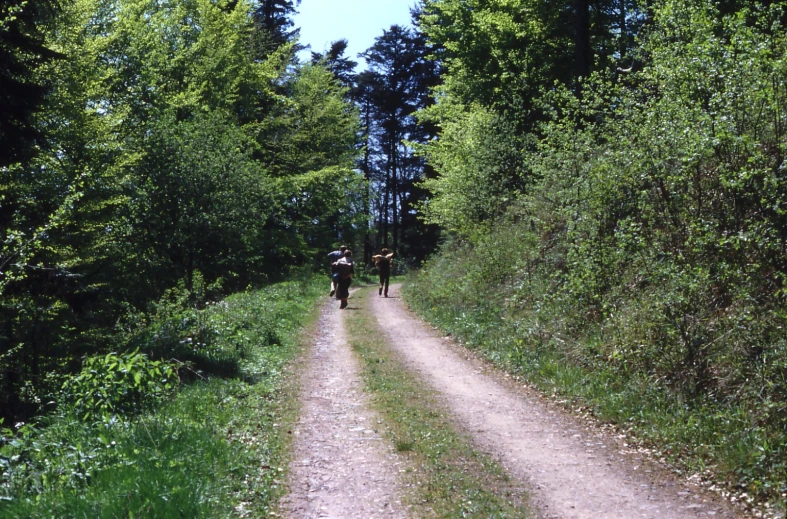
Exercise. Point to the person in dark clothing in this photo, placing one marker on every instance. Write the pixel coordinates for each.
(345, 268)
(383, 263)
(333, 257)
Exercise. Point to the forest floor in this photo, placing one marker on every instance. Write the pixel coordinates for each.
(346, 462)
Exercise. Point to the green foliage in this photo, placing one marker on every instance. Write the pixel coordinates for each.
(316, 129)
(118, 383)
(156, 173)
(492, 48)
(22, 53)
(641, 269)
(154, 467)
(204, 451)
(198, 205)
(480, 163)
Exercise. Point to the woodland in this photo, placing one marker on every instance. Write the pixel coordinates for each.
(592, 193)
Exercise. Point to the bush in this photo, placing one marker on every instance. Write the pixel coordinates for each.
(210, 446)
(119, 384)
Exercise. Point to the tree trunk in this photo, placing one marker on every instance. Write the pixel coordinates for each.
(386, 202)
(367, 210)
(395, 192)
(623, 30)
(582, 38)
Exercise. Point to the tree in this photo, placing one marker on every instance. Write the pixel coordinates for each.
(273, 25)
(22, 90)
(342, 67)
(310, 138)
(159, 169)
(397, 84)
(502, 61)
(582, 38)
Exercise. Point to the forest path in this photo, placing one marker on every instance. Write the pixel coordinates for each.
(573, 470)
(341, 467)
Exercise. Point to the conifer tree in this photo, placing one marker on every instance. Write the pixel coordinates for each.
(395, 87)
(22, 52)
(272, 19)
(342, 67)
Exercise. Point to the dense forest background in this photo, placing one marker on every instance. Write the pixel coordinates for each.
(153, 151)
(597, 184)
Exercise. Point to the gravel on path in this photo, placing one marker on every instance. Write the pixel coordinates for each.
(573, 471)
(341, 466)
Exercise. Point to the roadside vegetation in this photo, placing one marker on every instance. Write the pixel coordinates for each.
(631, 249)
(142, 435)
(448, 478)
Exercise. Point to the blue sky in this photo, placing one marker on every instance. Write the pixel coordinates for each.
(358, 21)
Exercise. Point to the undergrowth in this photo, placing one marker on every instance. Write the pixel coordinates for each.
(210, 448)
(716, 413)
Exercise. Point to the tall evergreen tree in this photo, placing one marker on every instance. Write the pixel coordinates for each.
(22, 91)
(396, 86)
(272, 19)
(342, 67)
(582, 51)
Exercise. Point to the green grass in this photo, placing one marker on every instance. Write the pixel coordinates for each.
(216, 448)
(451, 479)
(703, 436)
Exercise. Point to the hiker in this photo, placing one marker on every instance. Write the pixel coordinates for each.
(383, 263)
(333, 257)
(344, 276)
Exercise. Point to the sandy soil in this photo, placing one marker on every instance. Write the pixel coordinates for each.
(341, 467)
(572, 470)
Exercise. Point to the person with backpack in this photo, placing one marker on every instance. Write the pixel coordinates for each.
(345, 268)
(333, 257)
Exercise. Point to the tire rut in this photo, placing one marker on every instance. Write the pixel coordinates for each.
(572, 471)
(341, 466)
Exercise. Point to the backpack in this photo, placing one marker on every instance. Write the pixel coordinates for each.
(344, 269)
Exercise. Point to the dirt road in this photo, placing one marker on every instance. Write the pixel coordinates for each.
(343, 467)
(573, 471)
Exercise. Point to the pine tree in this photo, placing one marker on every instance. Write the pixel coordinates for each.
(395, 87)
(342, 67)
(22, 52)
(274, 25)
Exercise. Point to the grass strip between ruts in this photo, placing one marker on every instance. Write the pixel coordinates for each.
(446, 478)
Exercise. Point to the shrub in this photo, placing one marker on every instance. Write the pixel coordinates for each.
(119, 384)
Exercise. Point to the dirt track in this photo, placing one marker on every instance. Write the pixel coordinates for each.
(573, 471)
(341, 468)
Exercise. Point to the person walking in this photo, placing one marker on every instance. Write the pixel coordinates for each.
(345, 268)
(333, 257)
(383, 263)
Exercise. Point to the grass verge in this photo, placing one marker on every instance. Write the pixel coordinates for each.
(710, 442)
(216, 449)
(449, 479)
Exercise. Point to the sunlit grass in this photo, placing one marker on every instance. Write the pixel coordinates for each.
(214, 450)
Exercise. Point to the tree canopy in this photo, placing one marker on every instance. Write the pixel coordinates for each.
(166, 148)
